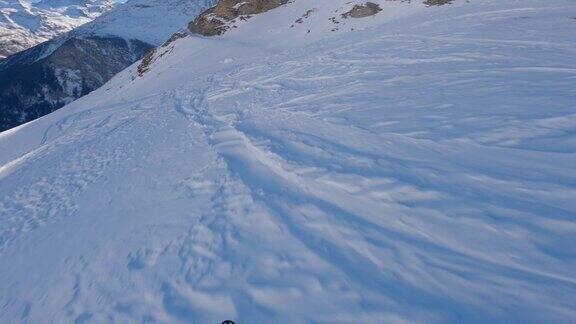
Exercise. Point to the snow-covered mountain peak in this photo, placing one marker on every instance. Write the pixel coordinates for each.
(15, 3)
(63, 3)
(24, 24)
(67, 3)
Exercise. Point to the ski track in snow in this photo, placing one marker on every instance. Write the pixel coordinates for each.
(366, 181)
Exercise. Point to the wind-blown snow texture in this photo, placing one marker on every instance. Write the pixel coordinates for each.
(420, 168)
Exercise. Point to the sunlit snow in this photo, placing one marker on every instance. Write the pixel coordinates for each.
(414, 166)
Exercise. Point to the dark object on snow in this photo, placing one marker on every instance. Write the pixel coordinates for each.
(228, 322)
(361, 11)
(437, 2)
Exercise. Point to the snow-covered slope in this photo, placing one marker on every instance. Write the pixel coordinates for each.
(414, 166)
(23, 24)
(151, 21)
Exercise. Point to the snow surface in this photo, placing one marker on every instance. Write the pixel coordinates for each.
(418, 168)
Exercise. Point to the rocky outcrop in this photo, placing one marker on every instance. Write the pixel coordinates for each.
(437, 2)
(215, 21)
(430, 3)
(147, 60)
(364, 10)
(158, 52)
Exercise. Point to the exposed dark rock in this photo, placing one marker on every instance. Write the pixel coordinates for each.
(144, 65)
(437, 2)
(361, 11)
(214, 21)
(174, 37)
(158, 52)
(37, 81)
(430, 2)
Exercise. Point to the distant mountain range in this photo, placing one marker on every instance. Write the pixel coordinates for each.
(23, 24)
(44, 78)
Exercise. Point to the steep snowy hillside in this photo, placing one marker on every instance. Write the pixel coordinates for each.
(44, 78)
(416, 165)
(23, 24)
